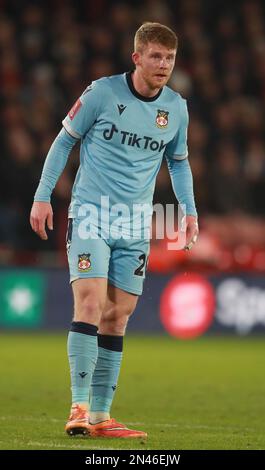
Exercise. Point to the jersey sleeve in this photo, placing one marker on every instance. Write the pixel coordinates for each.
(177, 148)
(85, 111)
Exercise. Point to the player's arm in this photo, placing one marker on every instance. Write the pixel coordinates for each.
(78, 121)
(181, 177)
(182, 183)
(54, 165)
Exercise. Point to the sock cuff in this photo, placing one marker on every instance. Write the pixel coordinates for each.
(84, 328)
(114, 343)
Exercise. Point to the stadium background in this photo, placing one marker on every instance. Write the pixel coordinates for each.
(48, 60)
(50, 51)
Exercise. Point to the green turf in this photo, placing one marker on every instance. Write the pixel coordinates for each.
(203, 394)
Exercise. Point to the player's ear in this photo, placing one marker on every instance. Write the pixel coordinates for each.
(136, 58)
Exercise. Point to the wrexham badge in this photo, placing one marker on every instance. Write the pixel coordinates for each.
(162, 118)
(84, 263)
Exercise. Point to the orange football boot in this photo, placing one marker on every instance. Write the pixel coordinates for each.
(78, 422)
(112, 429)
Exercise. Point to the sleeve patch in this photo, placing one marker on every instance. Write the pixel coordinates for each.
(74, 110)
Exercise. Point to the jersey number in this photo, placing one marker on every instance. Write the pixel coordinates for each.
(139, 271)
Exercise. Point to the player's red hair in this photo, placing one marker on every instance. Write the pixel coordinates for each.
(156, 33)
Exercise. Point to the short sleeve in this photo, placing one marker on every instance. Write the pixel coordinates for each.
(84, 112)
(177, 148)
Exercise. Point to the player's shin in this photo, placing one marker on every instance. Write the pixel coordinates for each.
(105, 377)
(82, 353)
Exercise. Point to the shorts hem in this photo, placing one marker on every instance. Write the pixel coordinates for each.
(87, 276)
(122, 286)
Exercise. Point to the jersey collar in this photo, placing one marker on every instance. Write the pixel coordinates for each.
(135, 92)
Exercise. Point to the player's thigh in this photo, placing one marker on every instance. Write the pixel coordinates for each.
(89, 299)
(87, 257)
(127, 265)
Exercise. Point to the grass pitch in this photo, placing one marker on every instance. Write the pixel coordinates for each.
(201, 394)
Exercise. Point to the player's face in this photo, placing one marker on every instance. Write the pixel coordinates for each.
(155, 63)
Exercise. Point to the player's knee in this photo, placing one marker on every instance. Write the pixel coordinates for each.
(121, 312)
(89, 308)
(115, 319)
(114, 325)
(90, 304)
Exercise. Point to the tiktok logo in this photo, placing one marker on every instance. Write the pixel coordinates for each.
(108, 133)
(133, 140)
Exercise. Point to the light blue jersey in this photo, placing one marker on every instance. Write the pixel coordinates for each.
(123, 139)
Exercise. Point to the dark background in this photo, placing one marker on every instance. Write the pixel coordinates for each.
(50, 52)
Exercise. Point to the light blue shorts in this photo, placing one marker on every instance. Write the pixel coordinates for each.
(122, 262)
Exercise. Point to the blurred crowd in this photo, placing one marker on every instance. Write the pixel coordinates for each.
(50, 52)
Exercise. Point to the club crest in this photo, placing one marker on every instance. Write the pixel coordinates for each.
(84, 263)
(162, 118)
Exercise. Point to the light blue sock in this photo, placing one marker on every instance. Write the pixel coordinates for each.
(82, 350)
(105, 377)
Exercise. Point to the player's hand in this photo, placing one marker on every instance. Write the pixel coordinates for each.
(192, 231)
(41, 213)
